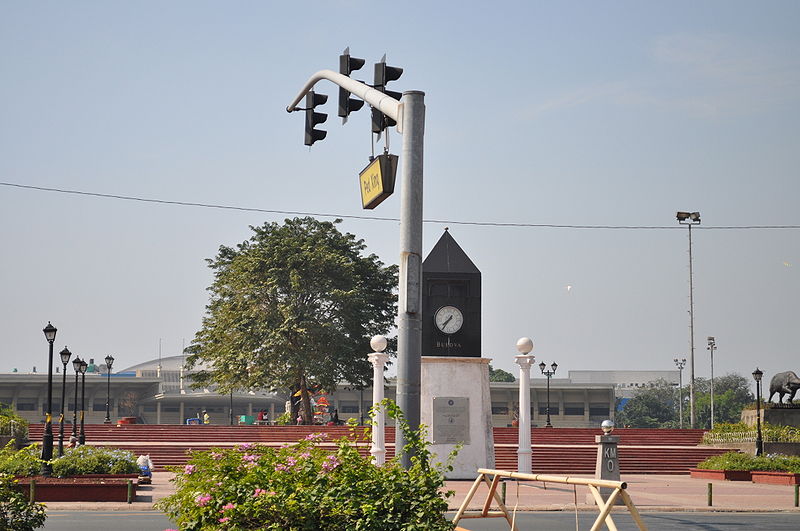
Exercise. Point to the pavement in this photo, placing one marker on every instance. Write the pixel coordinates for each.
(650, 493)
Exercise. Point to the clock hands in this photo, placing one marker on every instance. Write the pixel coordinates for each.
(447, 321)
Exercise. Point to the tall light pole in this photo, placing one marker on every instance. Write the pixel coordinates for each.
(680, 363)
(82, 436)
(65, 355)
(76, 364)
(109, 363)
(757, 374)
(47, 438)
(689, 219)
(378, 359)
(549, 374)
(411, 124)
(525, 359)
(712, 346)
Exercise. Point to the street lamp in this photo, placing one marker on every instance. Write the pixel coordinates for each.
(109, 363)
(524, 360)
(757, 374)
(689, 219)
(82, 436)
(76, 364)
(65, 355)
(712, 346)
(680, 363)
(549, 374)
(47, 438)
(378, 359)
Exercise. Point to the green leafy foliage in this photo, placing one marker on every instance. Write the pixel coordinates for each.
(311, 485)
(12, 424)
(740, 461)
(499, 375)
(94, 460)
(24, 462)
(16, 512)
(740, 432)
(293, 307)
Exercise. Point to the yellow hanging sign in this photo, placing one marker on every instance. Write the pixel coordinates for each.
(377, 180)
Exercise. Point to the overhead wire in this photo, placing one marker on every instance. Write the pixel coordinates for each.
(379, 218)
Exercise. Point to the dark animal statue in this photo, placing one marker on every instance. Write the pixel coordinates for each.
(784, 383)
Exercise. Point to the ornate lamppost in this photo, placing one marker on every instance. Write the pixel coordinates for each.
(82, 436)
(76, 364)
(549, 373)
(65, 355)
(524, 360)
(109, 363)
(47, 438)
(757, 374)
(680, 364)
(378, 359)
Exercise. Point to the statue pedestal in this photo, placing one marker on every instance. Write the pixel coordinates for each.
(456, 406)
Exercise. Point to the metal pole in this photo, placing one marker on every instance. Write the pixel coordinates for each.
(47, 438)
(231, 411)
(759, 440)
(680, 395)
(75, 410)
(61, 419)
(524, 441)
(108, 397)
(711, 348)
(548, 399)
(82, 436)
(691, 335)
(409, 337)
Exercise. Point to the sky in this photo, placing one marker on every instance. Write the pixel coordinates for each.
(590, 114)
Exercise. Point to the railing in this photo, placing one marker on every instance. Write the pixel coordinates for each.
(604, 506)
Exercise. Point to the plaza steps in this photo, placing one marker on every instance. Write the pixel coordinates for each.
(555, 450)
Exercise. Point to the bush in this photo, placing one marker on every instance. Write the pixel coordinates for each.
(740, 432)
(25, 462)
(739, 461)
(94, 460)
(312, 484)
(16, 512)
(12, 424)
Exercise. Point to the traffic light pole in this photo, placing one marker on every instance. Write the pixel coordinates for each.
(409, 113)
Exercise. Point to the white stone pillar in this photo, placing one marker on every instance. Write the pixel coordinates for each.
(378, 360)
(524, 360)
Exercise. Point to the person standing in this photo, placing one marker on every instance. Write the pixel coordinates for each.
(206, 417)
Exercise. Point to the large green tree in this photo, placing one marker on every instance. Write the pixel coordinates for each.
(293, 307)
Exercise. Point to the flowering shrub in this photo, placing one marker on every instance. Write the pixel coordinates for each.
(16, 512)
(23, 462)
(313, 484)
(740, 461)
(94, 460)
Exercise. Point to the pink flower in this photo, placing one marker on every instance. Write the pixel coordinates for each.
(280, 467)
(228, 506)
(305, 455)
(189, 469)
(316, 436)
(217, 455)
(245, 446)
(249, 457)
(291, 461)
(203, 500)
(330, 463)
(223, 520)
(262, 492)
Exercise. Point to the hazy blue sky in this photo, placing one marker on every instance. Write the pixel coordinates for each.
(571, 113)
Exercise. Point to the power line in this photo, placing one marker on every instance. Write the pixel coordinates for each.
(378, 218)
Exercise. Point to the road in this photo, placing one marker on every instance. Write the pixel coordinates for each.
(547, 521)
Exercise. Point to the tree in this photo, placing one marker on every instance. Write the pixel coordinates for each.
(293, 307)
(499, 375)
(653, 406)
(731, 394)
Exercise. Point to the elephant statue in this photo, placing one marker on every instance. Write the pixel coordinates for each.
(784, 383)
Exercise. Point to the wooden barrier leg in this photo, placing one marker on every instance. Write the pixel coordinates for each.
(503, 508)
(605, 509)
(492, 490)
(468, 499)
(633, 510)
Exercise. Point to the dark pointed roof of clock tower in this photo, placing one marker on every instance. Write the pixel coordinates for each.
(448, 257)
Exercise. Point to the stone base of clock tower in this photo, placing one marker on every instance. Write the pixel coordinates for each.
(456, 406)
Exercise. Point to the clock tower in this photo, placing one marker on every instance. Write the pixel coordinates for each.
(451, 302)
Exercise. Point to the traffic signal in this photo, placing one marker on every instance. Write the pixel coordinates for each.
(314, 118)
(346, 65)
(384, 74)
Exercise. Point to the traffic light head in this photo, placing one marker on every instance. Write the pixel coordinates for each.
(348, 64)
(383, 75)
(314, 118)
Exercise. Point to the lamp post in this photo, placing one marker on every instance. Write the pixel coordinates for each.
(549, 374)
(757, 374)
(524, 360)
(47, 438)
(378, 359)
(76, 364)
(689, 219)
(82, 436)
(65, 355)
(712, 346)
(109, 363)
(680, 363)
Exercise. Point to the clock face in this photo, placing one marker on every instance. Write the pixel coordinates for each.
(449, 319)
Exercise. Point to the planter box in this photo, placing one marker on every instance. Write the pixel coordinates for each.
(78, 489)
(728, 475)
(775, 478)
